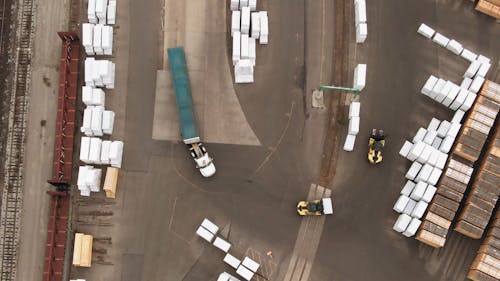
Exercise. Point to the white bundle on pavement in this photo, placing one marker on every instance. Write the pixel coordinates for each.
(264, 28)
(108, 121)
(235, 22)
(87, 122)
(85, 150)
(88, 38)
(95, 150)
(245, 20)
(107, 40)
(359, 77)
(97, 43)
(111, 13)
(252, 50)
(255, 25)
(243, 71)
(98, 97)
(116, 154)
(100, 10)
(96, 123)
(236, 47)
(91, 16)
(105, 148)
(87, 95)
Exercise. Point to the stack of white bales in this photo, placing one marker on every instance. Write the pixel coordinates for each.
(99, 73)
(353, 129)
(89, 180)
(448, 94)
(429, 153)
(475, 74)
(246, 28)
(96, 151)
(96, 120)
(101, 11)
(97, 39)
(360, 20)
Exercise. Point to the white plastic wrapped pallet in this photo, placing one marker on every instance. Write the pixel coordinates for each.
(107, 40)
(264, 28)
(418, 191)
(87, 121)
(105, 147)
(405, 149)
(412, 227)
(425, 30)
(359, 77)
(244, 272)
(244, 47)
(436, 143)
(235, 22)
(100, 10)
(353, 125)
(468, 55)
(250, 264)
(466, 83)
(401, 203)
(98, 97)
(423, 175)
(437, 88)
(82, 177)
(460, 99)
(435, 175)
(429, 193)
(97, 43)
(477, 82)
(359, 12)
(472, 69)
(91, 16)
(440, 39)
(88, 38)
(457, 117)
(252, 50)
(354, 109)
(408, 188)
(97, 173)
(419, 136)
(87, 95)
(108, 121)
(413, 171)
(430, 136)
(447, 143)
(243, 3)
(349, 142)
(95, 150)
(454, 47)
(252, 4)
(85, 149)
(236, 47)
(96, 123)
(429, 84)
(483, 70)
(205, 234)
(116, 154)
(255, 25)
(443, 128)
(111, 13)
(454, 129)
(444, 92)
(245, 20)
(483, 59)
(235, 5)
(88, 72)
(433, 124)
(243, 71)
(361, 32)
(441, 160)
(419, 210)
(210, 226)
(415, 151)
(452, 94)
(232, 261)
(469, 101)
(222, 244)
(402, 223)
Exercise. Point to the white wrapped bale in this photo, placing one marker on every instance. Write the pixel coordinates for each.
(413, 171)
(401, 203)
(437, 88)
(444, 92)
(433, 124)
(264, 28)
(349, 142)
(429, 84)
(432, 160)
(408, 188)
(98, 97)
(468, 55)
(415, 151)
(454, 129)
(232, 261)
(85, 150)
(426, 153)
(235, 22)
(252, 4)
(443, 128)
(87, 95)
(430, 136)
(250, 264)
(483, 70)
(91, 11)
(354, 109)
(87, 122)
(252, 50)
(205, 234)
(426, 31)
(88, 72)
(361, 32)
(419, 210)
(359, 12)
(437, 142)
(245, 54)
(107, 40)
(429, 193)
(452, 94)
(466, 83)
(472, 69)
(409, 207)
(95, 150)
(476, 84)
(82, 177)
(483, 59)
(87, 38)
(442, 160)
(96, 123)
(412, 227)
(446, 144)
(243, 3)
(222, 244)
(105, 147)
(116, 154)
(460, 99)
(457, 117)
(418, 191)
(101, 10)
(96, 176)
(245, 20)
(111, 13)
(85, 193)
(255, 25)
(469, 101)
(359, 77)
(235, 5)
(97, 43)
(402, 223)
(440, 39)
(454, 47)
(419, 136)
(434, 177)
(243, 71)
(236, 47)
(108, 121)
(424, 174)
(405, 149)
(244, 272)
(353, 126)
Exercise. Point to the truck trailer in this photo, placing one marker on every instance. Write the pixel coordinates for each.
(184, 101)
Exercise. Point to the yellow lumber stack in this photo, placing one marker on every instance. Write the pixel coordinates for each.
(110, 182)
(82, 250)
(490, 7)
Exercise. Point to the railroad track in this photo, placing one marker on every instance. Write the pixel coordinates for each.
(13, 169)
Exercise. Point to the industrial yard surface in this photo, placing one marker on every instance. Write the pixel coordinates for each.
(270, 146)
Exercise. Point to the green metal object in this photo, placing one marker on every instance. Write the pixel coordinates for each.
(355, 91)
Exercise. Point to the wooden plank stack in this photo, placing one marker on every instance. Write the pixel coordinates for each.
(110, 182)
(82, 251)
(486, 265)
(483, 195)
(489, 7)
(457, 174)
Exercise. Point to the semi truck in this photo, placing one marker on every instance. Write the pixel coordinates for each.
(184, 102)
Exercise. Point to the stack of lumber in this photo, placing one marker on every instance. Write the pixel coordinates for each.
(82, 251)
(110, 182)
(489, 7)
(486, 265)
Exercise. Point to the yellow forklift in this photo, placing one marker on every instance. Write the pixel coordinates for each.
(375, 146)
